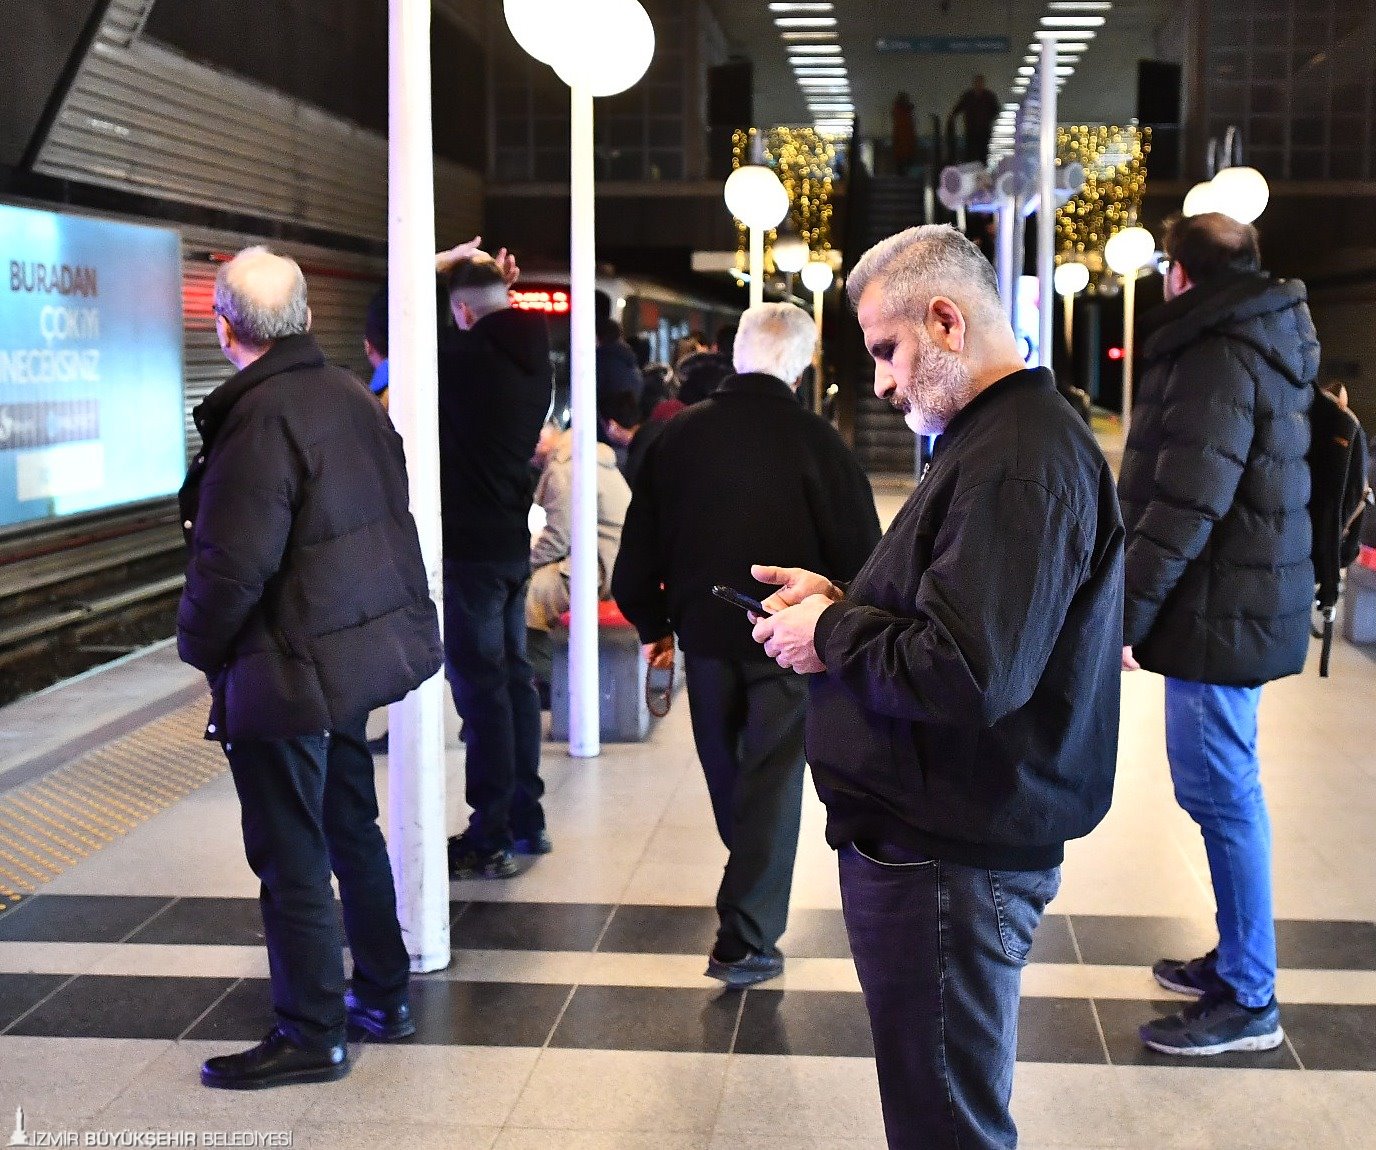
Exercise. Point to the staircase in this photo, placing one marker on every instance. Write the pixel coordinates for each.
(883, 442)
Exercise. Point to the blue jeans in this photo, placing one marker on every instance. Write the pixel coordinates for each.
(494, 691)
(940, 950)
(1211, 741)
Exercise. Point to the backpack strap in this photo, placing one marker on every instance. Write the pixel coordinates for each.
(1327, 649)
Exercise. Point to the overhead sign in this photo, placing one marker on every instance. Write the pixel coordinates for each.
(945, 45)
(90, 364)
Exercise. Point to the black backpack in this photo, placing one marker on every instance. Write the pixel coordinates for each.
(1338, 499)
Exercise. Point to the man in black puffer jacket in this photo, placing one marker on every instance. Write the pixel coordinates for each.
(1215, 493)
(306, 606)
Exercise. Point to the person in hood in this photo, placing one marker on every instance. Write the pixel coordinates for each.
(1215, 491)
(306, 605)
(495, 389)
(963, 711)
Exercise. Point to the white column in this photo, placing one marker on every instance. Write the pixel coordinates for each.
(818, 379)
(416, 778)
(584, 724)
(1046, 213)
(1129, 308)
(1003, 254)
(756, 266)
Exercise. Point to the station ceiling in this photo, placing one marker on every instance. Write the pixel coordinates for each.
(1103, 88)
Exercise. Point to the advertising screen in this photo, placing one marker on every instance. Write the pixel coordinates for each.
(90, 364)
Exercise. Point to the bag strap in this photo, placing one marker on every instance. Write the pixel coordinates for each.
(659, 699)
(1327, 649)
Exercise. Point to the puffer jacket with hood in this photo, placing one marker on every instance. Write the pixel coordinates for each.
(1215, 484)
(495, 388)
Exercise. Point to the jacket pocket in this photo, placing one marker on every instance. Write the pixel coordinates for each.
(1020, 897)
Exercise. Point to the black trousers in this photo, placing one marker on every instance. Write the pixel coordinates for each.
(748, 727)
(309, 807)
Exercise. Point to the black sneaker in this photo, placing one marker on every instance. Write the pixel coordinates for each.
(1215, 1024)
(754, 967)
(384, 1025)
(1194, 977)
(537, 844)
(276, 1061)
(466, 861)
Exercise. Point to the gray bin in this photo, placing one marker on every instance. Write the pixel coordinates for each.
(1359, 605)
(625, 718)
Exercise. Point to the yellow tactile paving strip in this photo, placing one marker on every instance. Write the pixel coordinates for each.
(51, 824)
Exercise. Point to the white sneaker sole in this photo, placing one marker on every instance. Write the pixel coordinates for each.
(1257, 1042)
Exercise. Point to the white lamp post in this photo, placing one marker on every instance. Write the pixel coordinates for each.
(757, 198)
(817, 279)
(1070, 280)
(1241, 193)
(1127, 253)
(598, 48)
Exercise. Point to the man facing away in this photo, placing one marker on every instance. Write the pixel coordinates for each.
(306, 606)
(963, 718)
(1215, 490)
(495, 388)
(748, 470)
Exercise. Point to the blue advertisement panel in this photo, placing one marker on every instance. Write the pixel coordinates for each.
(90, 364)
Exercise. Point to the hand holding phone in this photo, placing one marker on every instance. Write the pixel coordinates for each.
(740, 599)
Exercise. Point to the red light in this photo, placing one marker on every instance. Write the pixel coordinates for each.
(1115, 353)
(540, 299)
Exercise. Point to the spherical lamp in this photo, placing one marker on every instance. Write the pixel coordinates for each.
(539, 26)
(1071, 278)
(790, 254)
(608, 48)
(1200, 199)
(1241, 193)
(756, 197)
(1129, 250)
(817, 276)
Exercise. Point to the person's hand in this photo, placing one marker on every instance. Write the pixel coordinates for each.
(788, 636)
(1130, 663)
(795, 584)
(660, 653)
(445, 261)
(506, 264)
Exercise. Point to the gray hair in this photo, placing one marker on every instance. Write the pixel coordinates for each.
(262, 296)
(919, 264)
(777, 339)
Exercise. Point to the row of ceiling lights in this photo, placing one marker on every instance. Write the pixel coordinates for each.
(1072, 24)
(809, 33)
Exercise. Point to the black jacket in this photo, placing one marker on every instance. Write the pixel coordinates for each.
(495, 389)
(969, 707)
(747, 476)
(305, 602)
(1215, 486)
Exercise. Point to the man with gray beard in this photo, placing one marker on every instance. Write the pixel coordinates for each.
(963, 712)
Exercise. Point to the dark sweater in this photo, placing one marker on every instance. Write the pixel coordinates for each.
(306, 602)
(747, 476)
(1215, 484)
(495, 387)
(969, 707)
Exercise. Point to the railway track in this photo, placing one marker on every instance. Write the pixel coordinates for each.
(84, 591)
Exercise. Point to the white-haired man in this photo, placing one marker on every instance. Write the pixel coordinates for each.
(306, 605)
(746, 471)
(963, 721)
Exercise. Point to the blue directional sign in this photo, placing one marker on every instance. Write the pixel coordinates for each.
(945, 45)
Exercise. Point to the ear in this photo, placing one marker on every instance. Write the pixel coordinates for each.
(946, 324)
(223, 332)
(308, 319)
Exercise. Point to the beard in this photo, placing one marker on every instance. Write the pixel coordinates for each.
(935, 391)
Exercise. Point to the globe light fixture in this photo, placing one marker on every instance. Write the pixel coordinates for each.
(1241, 193)
(790, 254)
(1200, 199)
(1070, 279)
(756, 197)
(598, 48)
(817, 278)
(1127, 253)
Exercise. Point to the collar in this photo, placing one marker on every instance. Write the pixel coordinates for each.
(1031, 377)
(288, 354)
(757, 383)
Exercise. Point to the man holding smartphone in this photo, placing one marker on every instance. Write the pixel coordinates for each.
(704, 503)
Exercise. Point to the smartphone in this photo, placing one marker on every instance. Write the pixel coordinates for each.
(739, 599)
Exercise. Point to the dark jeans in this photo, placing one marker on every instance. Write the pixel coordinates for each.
(940, 950)
(748, 727)
(310, 806)
(494, 691)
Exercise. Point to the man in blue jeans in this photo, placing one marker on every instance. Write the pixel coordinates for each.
(1215, 491)
(963, 700)
(495, 389)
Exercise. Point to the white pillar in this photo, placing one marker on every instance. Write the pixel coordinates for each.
(416, 778)
(1003, 254)
(756, 266)
(1046, 213)
(818, 379)
(1129, 308)
(584, 691)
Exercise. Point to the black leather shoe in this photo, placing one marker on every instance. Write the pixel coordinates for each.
(754, 967)
(384, 1025)
(276, 1061)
